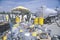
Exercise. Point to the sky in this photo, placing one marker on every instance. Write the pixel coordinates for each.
(32, 5)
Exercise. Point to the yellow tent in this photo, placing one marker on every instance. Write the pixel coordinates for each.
(23, 10)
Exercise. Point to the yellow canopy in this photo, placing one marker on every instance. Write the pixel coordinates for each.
(20, 8)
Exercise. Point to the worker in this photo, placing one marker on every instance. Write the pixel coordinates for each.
(17, 20)
(7, 18)
(4, 37)
(36, 20)
(41, 21)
